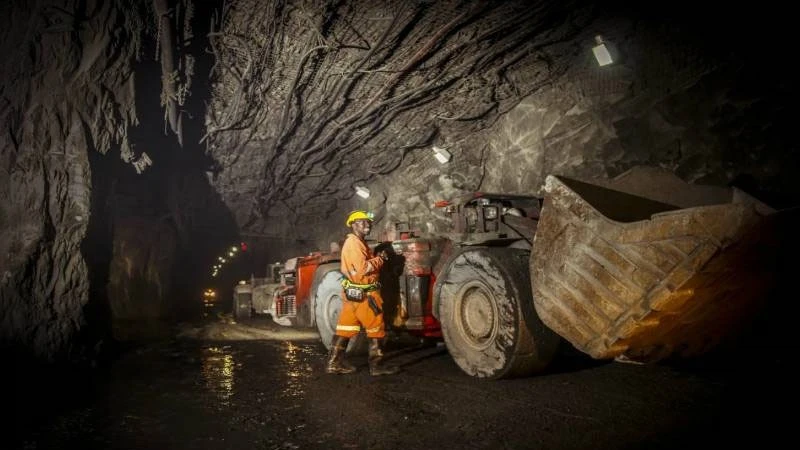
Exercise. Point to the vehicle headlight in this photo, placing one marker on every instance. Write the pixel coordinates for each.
(490, 212)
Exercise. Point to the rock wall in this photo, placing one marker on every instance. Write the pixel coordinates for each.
(140, 275)
(68, 90)
(675, 98)
(312, 98)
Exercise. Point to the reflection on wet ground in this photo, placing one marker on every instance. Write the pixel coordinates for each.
(186, 394)
(219, 384)
(297, 365)
(218, 372)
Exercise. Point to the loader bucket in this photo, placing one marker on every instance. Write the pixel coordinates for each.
(647, 267)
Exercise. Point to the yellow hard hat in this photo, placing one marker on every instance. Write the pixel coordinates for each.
(359, 215)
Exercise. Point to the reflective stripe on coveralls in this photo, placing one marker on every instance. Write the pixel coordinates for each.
(360, 267)
(366, 287)
(355, 314)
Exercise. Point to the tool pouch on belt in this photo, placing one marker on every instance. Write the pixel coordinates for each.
(373, 305)
(354, 294)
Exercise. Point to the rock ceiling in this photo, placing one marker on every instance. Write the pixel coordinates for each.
(313, 97)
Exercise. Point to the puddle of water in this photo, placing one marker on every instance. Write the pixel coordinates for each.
(218, 366)
(297, 370)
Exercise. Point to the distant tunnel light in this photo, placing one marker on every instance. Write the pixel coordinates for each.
(600, 51)
(442, 155)
(362, 192)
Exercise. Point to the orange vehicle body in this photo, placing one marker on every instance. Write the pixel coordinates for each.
(407, 280)
(643, 267)
(292, 298)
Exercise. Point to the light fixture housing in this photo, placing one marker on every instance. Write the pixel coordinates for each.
(601, 53)
(442, 155)
(362, 192)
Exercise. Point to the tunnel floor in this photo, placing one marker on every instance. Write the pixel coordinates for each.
(218, 384)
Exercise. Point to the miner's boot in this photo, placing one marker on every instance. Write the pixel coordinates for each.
(376, 364)
(337, 363)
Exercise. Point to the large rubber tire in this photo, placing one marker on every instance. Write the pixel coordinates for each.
(242, 307)
(488, 320)
(319, 274)
(327, 304)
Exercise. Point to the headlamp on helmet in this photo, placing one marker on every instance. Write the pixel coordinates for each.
(359, 215)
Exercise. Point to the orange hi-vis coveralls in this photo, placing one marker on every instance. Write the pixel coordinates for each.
(360, 266)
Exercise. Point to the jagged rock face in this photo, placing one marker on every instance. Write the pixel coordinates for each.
(311, 98)
(139, 276)
(314, 98)
(67, 90)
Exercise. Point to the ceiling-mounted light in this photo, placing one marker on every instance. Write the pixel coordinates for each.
(362, 192)
(442, 155)
(600, 51)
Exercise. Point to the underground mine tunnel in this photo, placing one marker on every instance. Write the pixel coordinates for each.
(155, 154)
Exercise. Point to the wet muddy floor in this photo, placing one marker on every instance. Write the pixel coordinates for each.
(218, 384)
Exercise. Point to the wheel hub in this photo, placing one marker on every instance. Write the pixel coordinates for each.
(477, 316)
